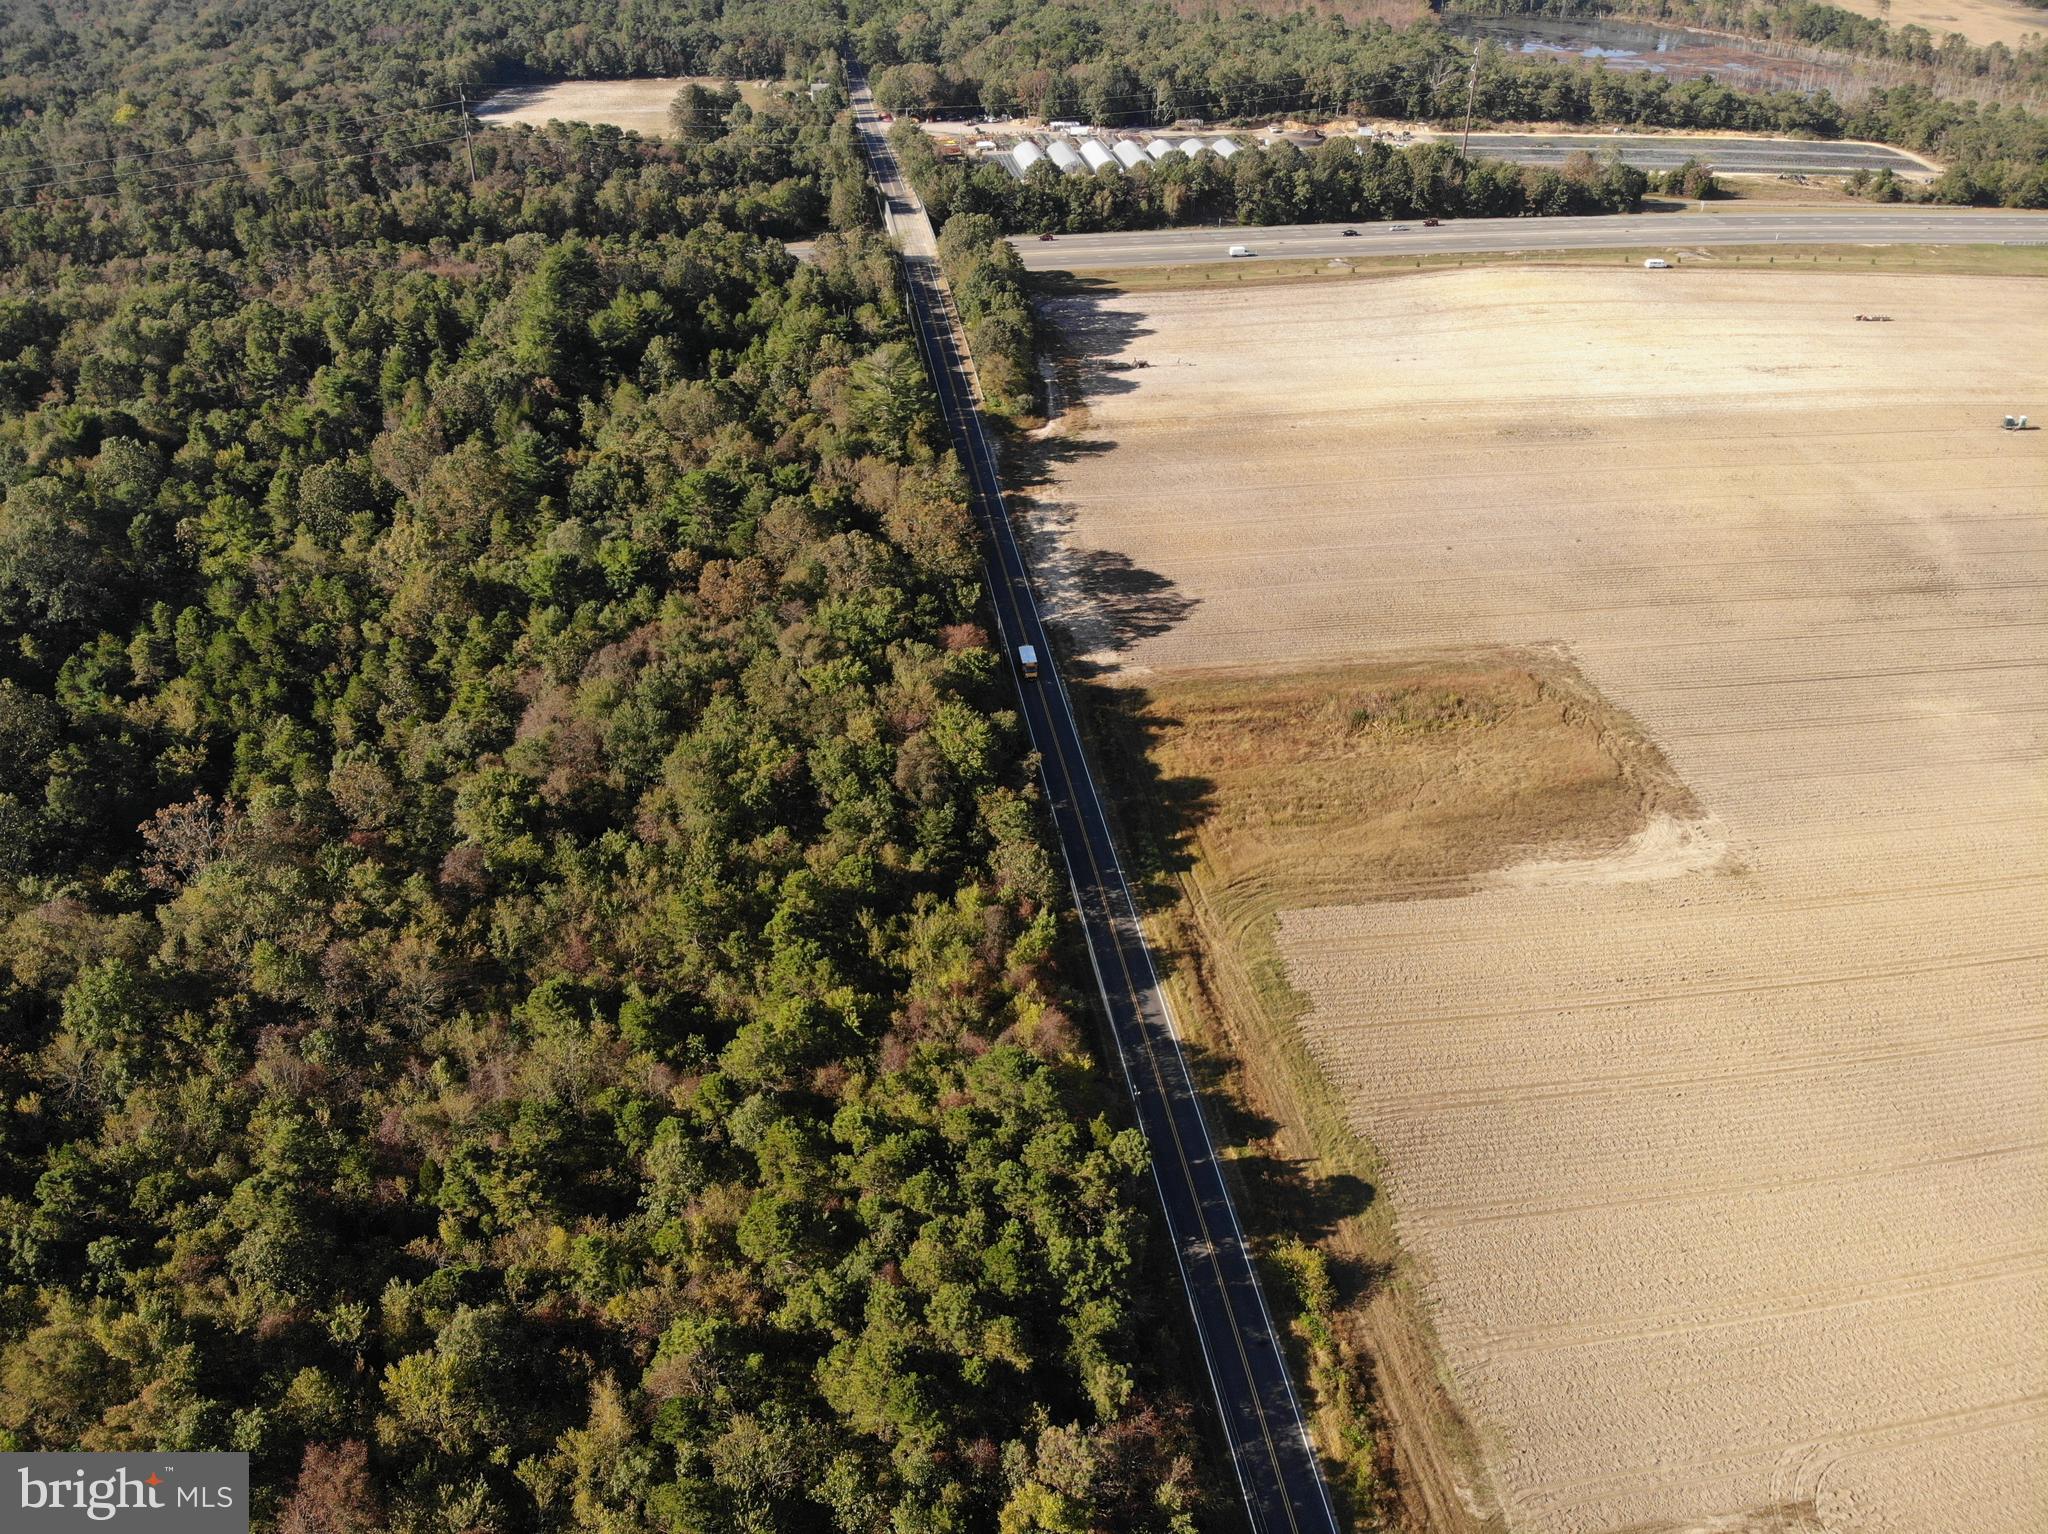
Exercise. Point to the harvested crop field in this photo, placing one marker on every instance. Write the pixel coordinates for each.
(1715, 1119)
(1981, 21)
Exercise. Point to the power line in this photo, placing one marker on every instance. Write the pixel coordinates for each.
(1269, 103)
(468, 147)
(236, 170)
(232, 160)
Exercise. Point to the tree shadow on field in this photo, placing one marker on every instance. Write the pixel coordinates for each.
(1155, 816)
(1103, 601)
(1280, 1194)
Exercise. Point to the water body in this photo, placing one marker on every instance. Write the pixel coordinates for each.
(1639, 49)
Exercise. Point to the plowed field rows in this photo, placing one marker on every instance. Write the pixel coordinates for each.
(1729, 1187)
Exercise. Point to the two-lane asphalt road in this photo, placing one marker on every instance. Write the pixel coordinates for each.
(1663, 231)
(1261, 1418)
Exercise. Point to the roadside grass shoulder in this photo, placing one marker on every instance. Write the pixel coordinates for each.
(1242, 794)
(1944, 260)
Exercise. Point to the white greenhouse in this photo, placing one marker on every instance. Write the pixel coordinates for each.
(1097, 154)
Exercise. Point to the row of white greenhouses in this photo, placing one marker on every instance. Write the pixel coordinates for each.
(1093, 154)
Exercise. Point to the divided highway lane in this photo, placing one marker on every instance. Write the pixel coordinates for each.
(1261, 1418)
(1169, 247)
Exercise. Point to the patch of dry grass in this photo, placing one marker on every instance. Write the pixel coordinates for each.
(1247, 793)
(1391, 781)
(1717, 1181)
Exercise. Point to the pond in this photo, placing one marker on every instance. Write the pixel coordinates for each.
(1645, 49)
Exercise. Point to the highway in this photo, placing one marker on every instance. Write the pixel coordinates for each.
(1261, 1419)
(1661, 231)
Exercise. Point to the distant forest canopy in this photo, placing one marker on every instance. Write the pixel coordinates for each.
(201, 56)
(1139, 63)
(526, 990)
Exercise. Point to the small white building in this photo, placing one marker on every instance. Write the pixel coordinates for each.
(1159, 149)
(1130, 155)
(1022, 158)
(1063, 154)
(1191, 147)
(1223, 147)
(1097, 155)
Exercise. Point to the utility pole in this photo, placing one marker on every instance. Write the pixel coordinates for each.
(1471, 82)
(462, 96)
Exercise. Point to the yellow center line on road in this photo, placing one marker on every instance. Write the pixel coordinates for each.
(957, 400)
(1135, 995)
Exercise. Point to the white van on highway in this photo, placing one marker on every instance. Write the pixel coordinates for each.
(1240, 250)
(1027, 662)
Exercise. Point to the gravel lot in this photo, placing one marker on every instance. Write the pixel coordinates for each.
(1718, 1152)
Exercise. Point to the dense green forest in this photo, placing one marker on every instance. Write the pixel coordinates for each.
(525, 945)
(1133, 63)
(527, 985)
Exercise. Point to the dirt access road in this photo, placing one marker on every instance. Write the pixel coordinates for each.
(1717, 1148)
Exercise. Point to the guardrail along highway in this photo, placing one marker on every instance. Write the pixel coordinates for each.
(1262, 1419)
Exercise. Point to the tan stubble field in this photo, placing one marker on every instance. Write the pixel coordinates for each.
(1721, 1151)
(1981, 21)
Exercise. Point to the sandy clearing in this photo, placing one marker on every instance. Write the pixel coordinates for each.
(1729, 1189)
(639, 106)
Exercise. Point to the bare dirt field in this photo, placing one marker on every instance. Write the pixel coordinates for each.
(1981, 21)
(639, 106)
(1711, 1082)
